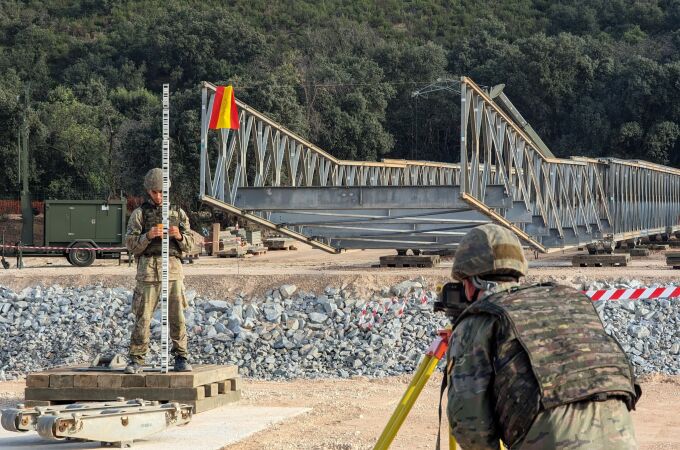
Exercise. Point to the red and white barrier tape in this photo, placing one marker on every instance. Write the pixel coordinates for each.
(372, 312)
(91, 249)
(88, 249)
(642, 293)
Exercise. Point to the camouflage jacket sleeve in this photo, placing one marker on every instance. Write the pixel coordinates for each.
(470, 397)
(136, 241)
(187, 241)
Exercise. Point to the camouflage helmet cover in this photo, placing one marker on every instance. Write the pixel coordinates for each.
(153, 180)
(489, 250)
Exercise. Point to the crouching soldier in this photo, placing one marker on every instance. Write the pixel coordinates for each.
(531, 365)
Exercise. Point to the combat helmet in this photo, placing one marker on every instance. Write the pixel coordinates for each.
(489, 250)
(153, 180)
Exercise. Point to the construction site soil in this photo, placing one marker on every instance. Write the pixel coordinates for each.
(350, 413)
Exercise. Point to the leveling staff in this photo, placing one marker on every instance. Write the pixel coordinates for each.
(144, 240)
(532, 364)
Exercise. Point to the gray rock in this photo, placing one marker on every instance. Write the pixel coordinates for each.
(287, 290)
(218, 305)
(272, 311)
(251, 311)
(317, 317)
(639, 331)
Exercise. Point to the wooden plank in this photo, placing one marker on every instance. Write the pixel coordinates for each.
(61, 380)
(201, 377)
(158, 380)
(38, 380)
(209, 403)
(600, 260)
(223, 386)
(99, 394)
(63, 377)
(211, 390)
(235, 384)
(409, 261)
(134, 381)
(673, 259)
(84, 381)
(110, 380)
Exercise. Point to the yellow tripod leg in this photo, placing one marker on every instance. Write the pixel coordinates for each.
(390, 424)
(452, 441)
(429, 364)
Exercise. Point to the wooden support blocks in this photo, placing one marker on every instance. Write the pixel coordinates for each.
(673, 259)
(211, 390)
(38, 380)
(600, 260)
(217, 384)
(409, 261)
(639, 252)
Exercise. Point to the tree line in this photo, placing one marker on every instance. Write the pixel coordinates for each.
(593, 78)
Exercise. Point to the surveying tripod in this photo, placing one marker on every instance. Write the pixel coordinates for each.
(426, 368)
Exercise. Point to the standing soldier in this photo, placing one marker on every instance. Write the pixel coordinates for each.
(531, 365)
(144, 241)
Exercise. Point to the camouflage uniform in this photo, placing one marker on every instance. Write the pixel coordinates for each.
(149, 271)
(513, 372)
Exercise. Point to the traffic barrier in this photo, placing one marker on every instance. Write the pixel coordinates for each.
(642, 293)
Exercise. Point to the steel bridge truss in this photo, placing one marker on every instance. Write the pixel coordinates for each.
(277, 179)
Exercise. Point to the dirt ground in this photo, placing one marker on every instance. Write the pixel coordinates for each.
(312, 269)
(350, 414)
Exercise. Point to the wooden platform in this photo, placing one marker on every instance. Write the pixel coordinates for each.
(236, 252)
(673, 259)
(639, 252)
(207, 387)
(280, 244)
(617, 260)
(256, 250)
(409, 261)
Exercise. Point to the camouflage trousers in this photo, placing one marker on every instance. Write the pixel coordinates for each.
(144, 302)
(582, 425)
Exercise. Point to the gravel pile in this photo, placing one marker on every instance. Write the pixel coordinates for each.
(287, 333)
(648, 330)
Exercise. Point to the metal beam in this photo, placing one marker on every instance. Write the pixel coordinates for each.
(361, 197)
(267, 224)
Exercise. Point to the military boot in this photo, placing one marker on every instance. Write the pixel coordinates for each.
(181, 364)
(134, 366)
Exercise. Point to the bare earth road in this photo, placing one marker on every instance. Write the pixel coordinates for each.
(350, 414)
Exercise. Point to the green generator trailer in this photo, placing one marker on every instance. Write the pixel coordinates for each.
(83, 230)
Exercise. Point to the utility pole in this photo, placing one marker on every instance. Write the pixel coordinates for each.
(26, 208)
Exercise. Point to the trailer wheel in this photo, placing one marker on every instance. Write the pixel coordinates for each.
(81, 258)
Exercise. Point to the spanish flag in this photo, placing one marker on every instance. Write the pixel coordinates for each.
(224, 112)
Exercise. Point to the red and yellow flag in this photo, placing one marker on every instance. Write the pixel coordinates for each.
(224, 112)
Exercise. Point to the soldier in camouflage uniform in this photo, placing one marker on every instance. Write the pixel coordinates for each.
(144, 239)
(531, 365)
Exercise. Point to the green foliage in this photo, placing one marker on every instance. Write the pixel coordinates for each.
(593, 78)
